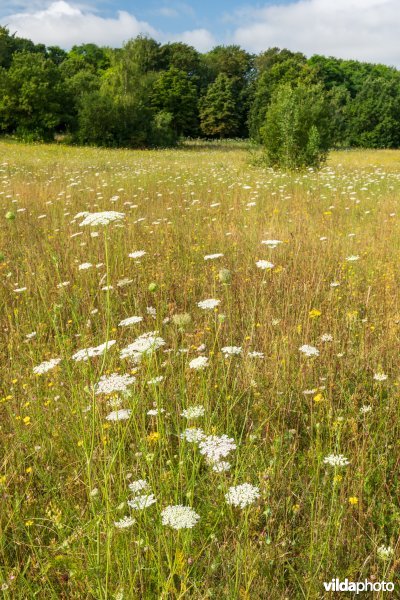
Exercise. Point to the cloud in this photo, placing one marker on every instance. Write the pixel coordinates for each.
(201, 39)
(64, 24)
(358, 29)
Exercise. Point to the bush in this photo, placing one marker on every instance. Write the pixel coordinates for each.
(297, 130)
(162, 131)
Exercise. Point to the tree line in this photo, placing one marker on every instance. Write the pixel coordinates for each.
(150, 94)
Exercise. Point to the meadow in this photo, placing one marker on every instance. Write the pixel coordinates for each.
(200, 374)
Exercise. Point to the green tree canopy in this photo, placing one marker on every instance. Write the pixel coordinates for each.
(219, 114)
(175, 93)
(297, 132)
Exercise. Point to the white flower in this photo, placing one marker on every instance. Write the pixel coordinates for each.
(326, 337)
(84, 266)
(201, 362)
(336, 460)
(212, 256)
(87, 353)
(137, 254)
(271, 243)
(124, 522)
(352, 258)
(193, 412)
(255, 354)
(179, 517)
(385, 552)
(380, 377)
(130, 321)
(119, 415)
(215, 447)
(46, 366)
(264, 264)
(153, 412)
(113, 383)
(155, 380)
(101, 218)
(242, 495)
(193, 435)
(334, 284)
(20, 290)
(124, 282)
(221, 466)
(142, 501)
(31, 335)
(114, 402)
(208, 304)
(145, 344)
(231, 350)
(63, 284)
(366, 408)
(309, 350)
(138, 486)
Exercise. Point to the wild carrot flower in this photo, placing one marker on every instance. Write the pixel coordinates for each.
(242, 495)
(179, 517)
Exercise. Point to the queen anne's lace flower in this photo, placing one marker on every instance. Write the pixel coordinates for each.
(142, 501)
(124, 522)
(193, 435)
(130, 321)
(212, 256)
(336, 460)
(179, 517)
(46, 366)
(146, 343)
(215, 447)
(101, 218)
(208, 304)
(193, 412)
(231, 350)
(309, 350)
(264, 264)
(138, 486)
(242, 495)
(201, 362)
(119, 415)
(87, 353)
(113, 383)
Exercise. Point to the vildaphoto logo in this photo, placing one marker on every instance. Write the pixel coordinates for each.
(358, 586)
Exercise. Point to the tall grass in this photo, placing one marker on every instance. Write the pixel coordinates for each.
(65, 469)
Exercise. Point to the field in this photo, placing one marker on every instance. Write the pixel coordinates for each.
(288, 382)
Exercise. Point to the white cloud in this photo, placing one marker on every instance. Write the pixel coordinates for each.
(201, 39)
(360, 29)
(64, 24)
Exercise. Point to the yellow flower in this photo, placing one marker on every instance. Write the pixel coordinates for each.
(314, 313)
(318, 398)
(28, 523)
(296, 508)
(28, 470)
(353, 500)
(27, 420)
(337, 478)
(153, 437)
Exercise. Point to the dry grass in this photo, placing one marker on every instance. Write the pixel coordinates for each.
(65, 469)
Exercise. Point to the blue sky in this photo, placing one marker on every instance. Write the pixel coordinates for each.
(358, 29)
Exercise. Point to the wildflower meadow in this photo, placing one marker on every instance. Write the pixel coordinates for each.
(200, 373)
